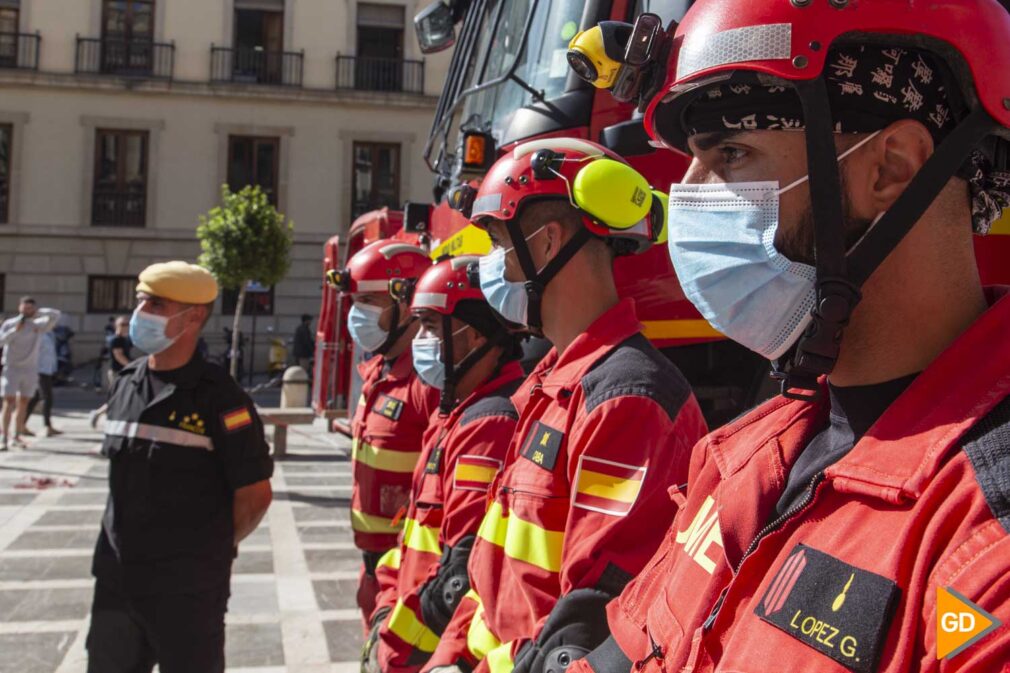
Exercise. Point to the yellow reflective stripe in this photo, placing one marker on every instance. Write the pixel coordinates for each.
(499, 660)
(679, 329)
(411, 630)
(368, 523)
(522, 540)
(479, 639)
(383, 459)
(391, 559)
(472, 595)
(421, 538)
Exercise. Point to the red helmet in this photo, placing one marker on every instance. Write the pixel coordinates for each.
(445, 284)
(383, 266)
(790, 39)
(615, 201)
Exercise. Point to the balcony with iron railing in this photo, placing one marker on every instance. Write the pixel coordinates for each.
(256, 66)
(19, 50)
(367, 73)
(125, 58)
(118, 209)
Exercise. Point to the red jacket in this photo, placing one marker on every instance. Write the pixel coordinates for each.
(604, 429)
(850, 581)
(463, 452)
(388, 426)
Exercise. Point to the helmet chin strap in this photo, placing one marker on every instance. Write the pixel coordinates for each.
(454, 373)
(839, 275)
(536, 281)
(396, 332)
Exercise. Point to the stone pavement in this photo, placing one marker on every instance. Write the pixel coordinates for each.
(292, 604)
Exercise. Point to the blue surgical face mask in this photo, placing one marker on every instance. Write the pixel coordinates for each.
(363, 324)
(722, 243)
(507, 297)
(147, 331)
(427, 354)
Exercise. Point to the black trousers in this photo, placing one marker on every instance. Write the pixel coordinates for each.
(182, 633)
(45, 393)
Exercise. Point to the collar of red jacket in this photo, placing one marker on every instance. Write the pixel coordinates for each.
(403, 367)
(510, 371)
(899, 455)
(563, 372)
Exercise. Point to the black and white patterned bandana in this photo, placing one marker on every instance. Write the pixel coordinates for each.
(869, 87)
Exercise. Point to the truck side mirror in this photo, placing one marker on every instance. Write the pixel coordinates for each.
(435, 27)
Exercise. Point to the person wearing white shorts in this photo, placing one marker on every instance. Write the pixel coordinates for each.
(20, 338)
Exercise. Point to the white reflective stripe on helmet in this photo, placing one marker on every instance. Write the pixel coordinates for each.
(372, 285)
(157, 433)
(425, 299)
(750, 43)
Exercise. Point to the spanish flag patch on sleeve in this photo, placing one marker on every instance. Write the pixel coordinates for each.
(607, 487)
(236, 419)
(475, 473)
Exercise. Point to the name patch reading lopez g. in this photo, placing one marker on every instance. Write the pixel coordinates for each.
(837, 609)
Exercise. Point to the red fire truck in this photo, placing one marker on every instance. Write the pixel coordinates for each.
(509, 82)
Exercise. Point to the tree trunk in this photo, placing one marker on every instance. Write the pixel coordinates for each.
(234, 331)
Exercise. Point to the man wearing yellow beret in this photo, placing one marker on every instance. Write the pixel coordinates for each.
(189, 478)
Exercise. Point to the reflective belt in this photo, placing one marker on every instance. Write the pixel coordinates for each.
(421, 538)
(411, 630)
(522, 540)
(383, 459)
(391, 559)
(479, 639)
(157, 433)
(499, 660)
(368, 523)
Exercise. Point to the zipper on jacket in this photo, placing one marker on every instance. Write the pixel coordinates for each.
(656, 653)
(798, 508)
(715, 610)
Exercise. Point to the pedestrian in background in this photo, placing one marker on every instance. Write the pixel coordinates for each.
(48, 366)
(21, 338)
(110, 332)
(119, 356)
(304, 345)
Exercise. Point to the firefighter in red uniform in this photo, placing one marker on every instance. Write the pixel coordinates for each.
(827, 529)
(465, 351)
(605, 422)
(393, 411)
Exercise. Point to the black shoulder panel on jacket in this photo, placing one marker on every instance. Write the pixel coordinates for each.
(636, 368)
(497, 403)
(988, 447)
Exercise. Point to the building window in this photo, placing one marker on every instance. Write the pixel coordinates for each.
(112, 294)
(120, 192)
(259, 42)
(127, 35)
(6, 146)
(379, 63)
(256, 303)
(254, 161)
(376, 173)
(3, 290)
(9, 28)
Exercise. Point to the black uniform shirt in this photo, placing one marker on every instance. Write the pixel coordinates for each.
(180, 444)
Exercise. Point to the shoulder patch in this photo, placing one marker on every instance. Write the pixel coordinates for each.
(236, 419)
(475, 473)
(606, 486)
(987, 446)
(496, 404)
(636, 368)
(842, 611)
(542, 445)
(434, 464)
(388, 407)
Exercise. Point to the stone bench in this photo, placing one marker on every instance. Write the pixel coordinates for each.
(281, 418)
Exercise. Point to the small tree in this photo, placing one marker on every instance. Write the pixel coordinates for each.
(244, 239)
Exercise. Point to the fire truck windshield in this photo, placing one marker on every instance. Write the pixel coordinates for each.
(510, 54)
(539, 60)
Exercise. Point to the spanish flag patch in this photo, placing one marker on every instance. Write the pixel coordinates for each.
(236, 419)
(475, 473)
(607, 487)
